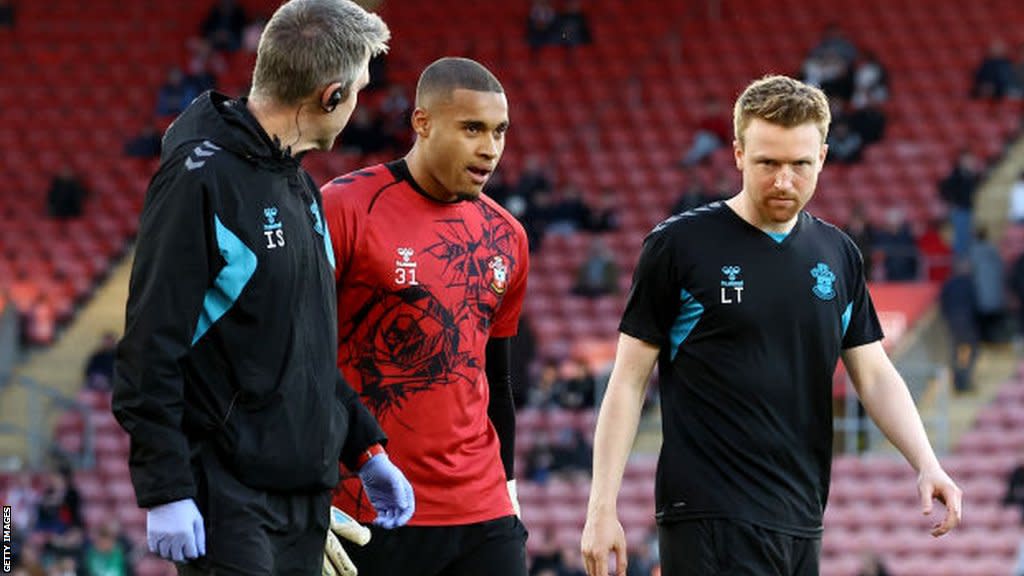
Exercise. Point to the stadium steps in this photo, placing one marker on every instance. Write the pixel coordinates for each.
(61, 365)
(993, 198)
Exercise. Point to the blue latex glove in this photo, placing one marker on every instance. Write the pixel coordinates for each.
(388, 491)
(175, 531)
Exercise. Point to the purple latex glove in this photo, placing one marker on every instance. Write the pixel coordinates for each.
(175, 531)
(388, 491)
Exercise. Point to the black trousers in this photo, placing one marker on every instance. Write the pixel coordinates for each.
(718, 547)
(255, 533)
(495, 548)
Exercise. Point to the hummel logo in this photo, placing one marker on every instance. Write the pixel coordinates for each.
(204, 150)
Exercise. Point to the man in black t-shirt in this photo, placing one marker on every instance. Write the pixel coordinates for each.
(747, 305)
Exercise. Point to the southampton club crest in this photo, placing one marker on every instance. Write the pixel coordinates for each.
(499, 274)
(825, 279)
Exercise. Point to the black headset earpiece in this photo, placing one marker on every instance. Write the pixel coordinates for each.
(333, 100)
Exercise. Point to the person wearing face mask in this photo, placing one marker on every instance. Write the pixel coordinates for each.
(431, 275)
(746, 305)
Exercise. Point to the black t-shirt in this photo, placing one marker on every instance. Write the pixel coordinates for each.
(750, 329)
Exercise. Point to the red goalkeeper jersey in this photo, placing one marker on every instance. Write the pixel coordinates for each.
(422, 286)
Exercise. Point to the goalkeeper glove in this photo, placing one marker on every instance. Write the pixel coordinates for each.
(336, 560)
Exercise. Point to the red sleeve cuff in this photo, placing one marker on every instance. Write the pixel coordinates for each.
(370, 452)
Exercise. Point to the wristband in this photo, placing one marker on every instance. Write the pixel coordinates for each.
(370, 452)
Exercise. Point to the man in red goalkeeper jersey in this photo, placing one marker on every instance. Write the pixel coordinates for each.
(431, 278)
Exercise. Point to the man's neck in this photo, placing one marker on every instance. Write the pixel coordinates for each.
(281, 124)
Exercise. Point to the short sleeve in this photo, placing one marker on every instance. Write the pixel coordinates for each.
(506, 319)
(860, 319)
(341, 226)
(654, 296)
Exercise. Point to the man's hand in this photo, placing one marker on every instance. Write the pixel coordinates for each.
(336, 560)
(389, 492)
(602, 535)
(175, 531)
(935, 483)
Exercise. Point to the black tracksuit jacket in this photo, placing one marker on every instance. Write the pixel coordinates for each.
(231, 336)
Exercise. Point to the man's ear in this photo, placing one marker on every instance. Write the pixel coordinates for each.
(421, 122)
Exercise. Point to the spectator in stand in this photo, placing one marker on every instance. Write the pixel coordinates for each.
(844, 145)
(6, 14)
(599, 274)
(958, 189)
(23, 499)
(517, 207)
(936, 255)
(205, 64)
(577, 392)
(146, 144)
(604, 217)
(994, 75)
(988, 273)
(868, 120)
(870, 81)
(712, 132)
(66, 195)
(1016, 209)
(896, 242)
(569, 213)
(99, 371)
(959, 304)
(540, 24)
(224, 24)
(540, 460)
(497, 187)
(572, 453)
(834, 41)
(571, 25)
(544, 395)
(176, 93)
(60, 516)
(28, 561)
(534, 178)
(695, 194)
(107, 552)
(830, 63)
(863, 235)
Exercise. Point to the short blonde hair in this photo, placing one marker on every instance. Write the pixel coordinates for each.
(783, 101)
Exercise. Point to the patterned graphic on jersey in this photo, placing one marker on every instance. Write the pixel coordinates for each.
(406, 341)
(476, 261)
